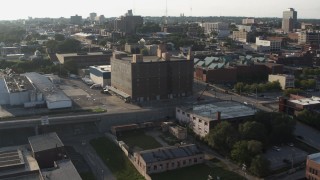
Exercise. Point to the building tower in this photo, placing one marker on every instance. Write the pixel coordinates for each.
(289, 20)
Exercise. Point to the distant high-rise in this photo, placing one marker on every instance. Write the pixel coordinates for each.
(93, 16)
(289, 20)
(128, 23)
(77, 20)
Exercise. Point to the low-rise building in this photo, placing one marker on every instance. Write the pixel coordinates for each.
(285, 80)
(47, 149)
(167, 158)
(101, 75)
(178, 131)
(313, 167)
(241, 36)
(296, 104)
(265, 45)
(85, 59)
(203, 117)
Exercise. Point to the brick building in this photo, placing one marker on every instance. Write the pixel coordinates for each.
(167, 158)
(152, 77)
(203, 117)
(313, 167)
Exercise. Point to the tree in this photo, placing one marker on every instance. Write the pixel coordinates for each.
(69, 46)
(289, 91)
(240, 152)
(255, 147)
(243, 151)
(253, 130)
(59, 37)
(259, 166)
(222, 137)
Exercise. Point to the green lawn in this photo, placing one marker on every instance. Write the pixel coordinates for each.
(87, 176)
(138, 138)
(115, 159)
(198, 172)
(169, 138)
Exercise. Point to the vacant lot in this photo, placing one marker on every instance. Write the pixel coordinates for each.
(115, 159)
(138, 138)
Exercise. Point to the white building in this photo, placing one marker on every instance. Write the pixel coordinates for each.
(202, 118)
(268, 45)
(285, 80)
(241, 36)
(101, 75)
(248, 21)
(16, 90)
(209, 27)
(54, 97)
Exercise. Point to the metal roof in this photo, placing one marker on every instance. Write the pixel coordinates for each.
(64, 170)
(228, 110)
(45, 142)
(47, 88)
(307, 101)
(315, 157)
(167, 153)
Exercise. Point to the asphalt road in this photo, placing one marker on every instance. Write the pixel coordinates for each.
(310, 136)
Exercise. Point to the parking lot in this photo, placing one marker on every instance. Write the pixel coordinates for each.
(85, 97)
(284, 156)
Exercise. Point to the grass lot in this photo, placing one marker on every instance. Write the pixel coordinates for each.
(169, 138)
(139, 138)
(198, 172)
(115, 159)
(87, 176)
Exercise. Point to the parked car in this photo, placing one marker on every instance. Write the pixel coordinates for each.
(276, 148)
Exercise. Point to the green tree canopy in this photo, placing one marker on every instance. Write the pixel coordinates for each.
(253, 130)
(222, 137)
(259, 166)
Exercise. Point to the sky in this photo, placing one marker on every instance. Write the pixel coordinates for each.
(22, 9)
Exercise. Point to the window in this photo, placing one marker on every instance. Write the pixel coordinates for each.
(195, 160)
(200, 121)
(194, 118)
(190, 161)
(155, 167)
(172, 164)
(160, 166)
(206, 123)
(183, 113)
(148, 168)
(178, 110)
(167, 165)
(184, 162)
(188, 115)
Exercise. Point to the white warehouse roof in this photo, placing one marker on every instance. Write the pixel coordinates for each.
(54, 97)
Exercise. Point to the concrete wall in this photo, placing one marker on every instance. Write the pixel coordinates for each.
(134, 117)
(121, 75)
(18, 98)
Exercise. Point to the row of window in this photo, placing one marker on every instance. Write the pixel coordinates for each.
(184, 162)
(313, 171)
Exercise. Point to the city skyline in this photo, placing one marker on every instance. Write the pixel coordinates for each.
(256, 8)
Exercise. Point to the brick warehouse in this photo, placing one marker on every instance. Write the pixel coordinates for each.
(153, 77)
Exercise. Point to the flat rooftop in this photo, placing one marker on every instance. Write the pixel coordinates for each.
(17, 163)
(84, 54)
(314, 157)
(17, 83)
(46, 87)
(307, 101)
(154, 59)
(64, 170)
(228, 110)
(45, 142)
(171, 152)
(105, 68)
